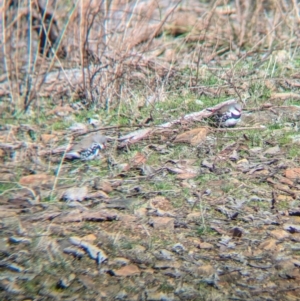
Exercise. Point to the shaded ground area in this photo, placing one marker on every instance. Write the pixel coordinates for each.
(188, 213)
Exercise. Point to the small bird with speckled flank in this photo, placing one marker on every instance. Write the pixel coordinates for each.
(88, 148)
(227, 116)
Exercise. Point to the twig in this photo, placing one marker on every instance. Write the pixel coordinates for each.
(259, 127)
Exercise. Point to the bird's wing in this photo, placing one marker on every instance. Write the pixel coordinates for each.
(99, 139)
(83, 144)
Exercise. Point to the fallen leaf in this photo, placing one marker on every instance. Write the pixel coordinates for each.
(141, 212)
(89, 237)
(186, 175)
(205, 270)
(138, 159)
(163, 223)
(161, 202)
(279, 234)
(268, 244)
(284, 198)
(194, 216)
(286, 181)
(105, 186)
(36, 180)
(194, 137)
(292, 173)
(6, 213)
(48, 138)
(98, 215)
(126, 218)
(128, 270)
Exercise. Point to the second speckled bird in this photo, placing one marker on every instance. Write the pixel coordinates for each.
(227, 116)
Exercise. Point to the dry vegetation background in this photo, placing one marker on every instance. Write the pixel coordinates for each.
(189, 213)
(99, 51)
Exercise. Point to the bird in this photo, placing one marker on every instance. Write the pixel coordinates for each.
(227, 116)
(88, 148)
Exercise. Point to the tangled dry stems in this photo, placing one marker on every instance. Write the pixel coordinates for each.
(101, 54)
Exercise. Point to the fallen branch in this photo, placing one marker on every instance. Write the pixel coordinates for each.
(138, 135)
(197, 116)
(259, 127)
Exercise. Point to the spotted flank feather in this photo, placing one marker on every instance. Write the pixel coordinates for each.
(88, 148)
(90, 153)
(228, 119)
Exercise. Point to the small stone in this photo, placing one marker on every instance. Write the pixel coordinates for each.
(164, 255)
(272, 150)
(17, 240)
(178, 248)
(254, 150)
(75, 194)
(65, 282)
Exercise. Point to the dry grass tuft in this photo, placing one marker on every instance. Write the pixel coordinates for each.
(104, 53)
